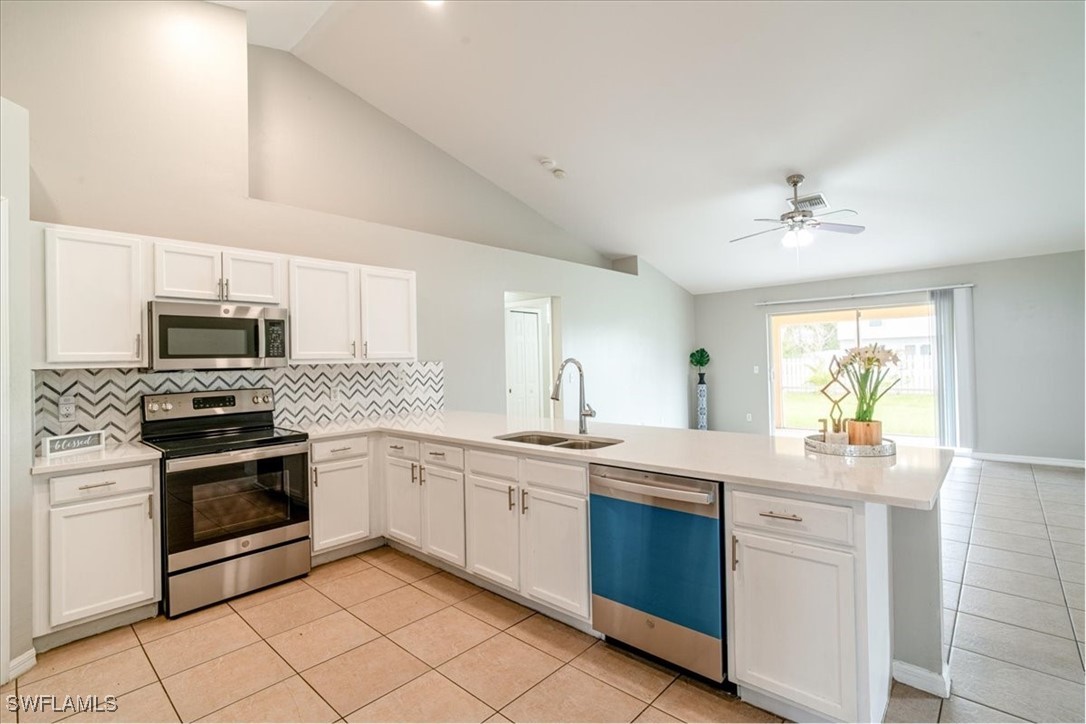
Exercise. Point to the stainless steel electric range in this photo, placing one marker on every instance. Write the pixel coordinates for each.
(235, 495)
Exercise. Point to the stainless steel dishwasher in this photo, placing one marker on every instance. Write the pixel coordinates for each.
(656, 566)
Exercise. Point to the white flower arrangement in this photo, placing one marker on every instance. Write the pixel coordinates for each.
(867, 369)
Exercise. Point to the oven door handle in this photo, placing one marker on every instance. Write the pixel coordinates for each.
(235, 456)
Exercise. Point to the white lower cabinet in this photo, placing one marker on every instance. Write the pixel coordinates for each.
(795, 622)
(530, 534)
(443, 512)
(404, 496)
(493, 535)
(808, 606)
(340, 503)
(554, 549)
(96, 545)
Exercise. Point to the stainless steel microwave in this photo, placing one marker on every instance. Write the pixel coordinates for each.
(193, 336)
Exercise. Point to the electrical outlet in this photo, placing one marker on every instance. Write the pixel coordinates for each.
(750, 417)
(333, 394)
(66, 409)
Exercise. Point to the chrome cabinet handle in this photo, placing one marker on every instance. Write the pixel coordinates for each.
(226, 294)
(735, 552)
(150, 498)
(316, 478)
(523, 502)
(98, 485)
(139, 343)
(220, 289)
(395, 447)
(365, 348)
(782, 516)
(422, 474)
(340, 449)
(438, 454)
(413, 479)
(511, 501)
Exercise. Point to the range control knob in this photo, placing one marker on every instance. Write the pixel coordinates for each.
(256, 399)
(167, 406)
(153, 407)
(267, 399)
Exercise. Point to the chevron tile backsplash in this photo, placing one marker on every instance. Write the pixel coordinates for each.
(109, 399)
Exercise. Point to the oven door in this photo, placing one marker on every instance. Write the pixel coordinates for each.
(218, 506)
(213, 336)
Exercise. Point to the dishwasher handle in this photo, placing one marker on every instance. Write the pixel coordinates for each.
(700, 497)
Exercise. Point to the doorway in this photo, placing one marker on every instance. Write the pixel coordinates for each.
(530, 348)
(802, 345)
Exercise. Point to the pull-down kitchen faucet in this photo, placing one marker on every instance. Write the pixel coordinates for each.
(585, 410)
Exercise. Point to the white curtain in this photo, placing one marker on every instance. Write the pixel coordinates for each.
(954, 366)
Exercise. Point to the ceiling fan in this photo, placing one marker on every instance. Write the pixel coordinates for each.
(801, 221)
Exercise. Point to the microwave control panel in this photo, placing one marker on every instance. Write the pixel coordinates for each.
(276, 333)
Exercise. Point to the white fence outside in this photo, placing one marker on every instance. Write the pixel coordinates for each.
(810, 372)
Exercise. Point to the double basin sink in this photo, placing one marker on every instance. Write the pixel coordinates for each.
(557, 440)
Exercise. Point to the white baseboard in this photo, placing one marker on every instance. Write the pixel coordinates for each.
(1029, 459)
(23, 663)
(933, 682)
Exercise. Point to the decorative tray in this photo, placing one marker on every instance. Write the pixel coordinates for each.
(814, 443)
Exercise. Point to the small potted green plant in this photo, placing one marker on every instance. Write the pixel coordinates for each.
(700, 358)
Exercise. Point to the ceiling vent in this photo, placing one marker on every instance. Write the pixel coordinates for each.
(815, 203)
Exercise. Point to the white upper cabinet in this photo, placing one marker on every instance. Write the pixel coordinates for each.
(388, 314)
(93, 298)
(249, 277)
(192, 271)
(188, 271)
(323, 311)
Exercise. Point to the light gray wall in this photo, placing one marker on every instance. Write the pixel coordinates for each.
(315, 144)
(15, 187)
(1028, 333)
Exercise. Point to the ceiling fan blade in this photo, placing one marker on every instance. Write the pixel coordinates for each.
(758, 233)
(840, 228)
(850, 213)
(772, 221)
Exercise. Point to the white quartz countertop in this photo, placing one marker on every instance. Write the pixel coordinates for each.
(116, 455)
(911, 479)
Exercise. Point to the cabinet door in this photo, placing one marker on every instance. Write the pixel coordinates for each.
(251, 277)
(388, 314)
(554, 549)
(404, 501)
(795, 623)
(101, 557)
(323, 311)
(188, 272)
(94, 298)
(340, 503)
(443, 513)
(493, 521)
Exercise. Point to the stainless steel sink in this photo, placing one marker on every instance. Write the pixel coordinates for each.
(586, 444)
(532, 438)
(566, 442)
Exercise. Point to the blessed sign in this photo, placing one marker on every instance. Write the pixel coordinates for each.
(80, 442)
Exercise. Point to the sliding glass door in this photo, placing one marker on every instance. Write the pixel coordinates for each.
(802, 345)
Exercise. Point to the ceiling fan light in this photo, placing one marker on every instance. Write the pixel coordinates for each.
(794, 238)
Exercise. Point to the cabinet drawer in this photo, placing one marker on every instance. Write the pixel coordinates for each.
(492, 464)
(542, 473)
(790, 517)
(347, 447)
(447, 455)
(87, 486)
(398, 447)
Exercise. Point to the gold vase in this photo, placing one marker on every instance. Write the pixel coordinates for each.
(864, 433)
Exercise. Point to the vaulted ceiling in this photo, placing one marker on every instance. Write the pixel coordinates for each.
(955, 129)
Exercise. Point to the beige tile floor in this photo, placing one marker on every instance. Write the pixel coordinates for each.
(385, 637)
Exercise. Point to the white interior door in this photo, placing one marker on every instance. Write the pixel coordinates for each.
(523, 363)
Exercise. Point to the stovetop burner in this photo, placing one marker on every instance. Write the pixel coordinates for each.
(207, 423)
(219, 443)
